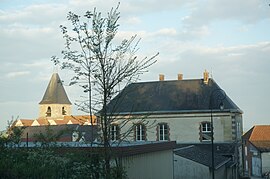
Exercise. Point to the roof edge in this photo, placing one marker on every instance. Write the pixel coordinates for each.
(179, 111)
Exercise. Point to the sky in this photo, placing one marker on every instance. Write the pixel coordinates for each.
(228, 38)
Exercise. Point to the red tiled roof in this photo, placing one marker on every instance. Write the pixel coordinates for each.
(260, 137)
(80, 119)
(25, 122)
(60, 122)
(260, 133)
(43, 121)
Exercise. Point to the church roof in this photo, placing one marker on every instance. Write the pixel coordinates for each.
(171, 96)
(55, 92)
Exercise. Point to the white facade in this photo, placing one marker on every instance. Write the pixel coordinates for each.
(186, 128)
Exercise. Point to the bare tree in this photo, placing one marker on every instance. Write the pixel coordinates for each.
(101, 68)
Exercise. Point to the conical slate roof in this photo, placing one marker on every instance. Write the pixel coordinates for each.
(55, 92)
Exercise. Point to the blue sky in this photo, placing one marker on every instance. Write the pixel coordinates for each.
(228, 38)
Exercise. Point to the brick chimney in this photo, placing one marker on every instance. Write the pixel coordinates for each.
(180, 76)
(161, 77)
(205, 77)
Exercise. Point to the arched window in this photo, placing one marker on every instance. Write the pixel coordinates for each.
(163, 131)
(115, 132)
(64, 112)
(205, 131)
(140, 132)
(49, 112)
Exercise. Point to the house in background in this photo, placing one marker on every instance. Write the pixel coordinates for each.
(256, 154)
(140, 160)
(55, 115)
(178, 110)
(181, 111)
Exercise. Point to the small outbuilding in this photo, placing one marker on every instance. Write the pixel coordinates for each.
(196, 162)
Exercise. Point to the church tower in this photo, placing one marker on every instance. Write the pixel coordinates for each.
(55, 103)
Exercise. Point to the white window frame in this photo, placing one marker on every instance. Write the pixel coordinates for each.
(114, 132)
(163, 132)
(205, 129)
(140, 132)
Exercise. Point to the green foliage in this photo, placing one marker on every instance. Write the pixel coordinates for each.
(52, 163)
(15, 134)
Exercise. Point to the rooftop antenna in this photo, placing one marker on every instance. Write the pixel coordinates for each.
(211, 73)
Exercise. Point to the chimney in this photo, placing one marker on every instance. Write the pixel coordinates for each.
(161, 77)
(180, 76)
(205, 77)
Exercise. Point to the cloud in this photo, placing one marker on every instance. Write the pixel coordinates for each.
(35, 14)
(166, 32)
(152, 6)
(29, 43)
(131, 20)
(17, 74)
(37, 64)
(246, 11)
(240, 61)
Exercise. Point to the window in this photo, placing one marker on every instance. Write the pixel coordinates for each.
(49, 112)
(163, 131)
(140, 132)
(64, 112)
(115, 132)
(205, 131)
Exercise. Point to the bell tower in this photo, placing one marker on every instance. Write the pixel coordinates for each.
(55, 103)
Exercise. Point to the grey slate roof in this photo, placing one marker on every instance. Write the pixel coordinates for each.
(170, 96)
(225, 149)
(55, 92)
(63, 131)
(202, 156)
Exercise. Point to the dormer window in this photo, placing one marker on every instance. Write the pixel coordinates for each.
(64, 112)
(49, 112)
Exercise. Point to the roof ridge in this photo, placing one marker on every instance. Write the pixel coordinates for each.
(191, 79)
(183, 148)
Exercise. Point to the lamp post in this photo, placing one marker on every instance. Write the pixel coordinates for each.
(219, 95)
